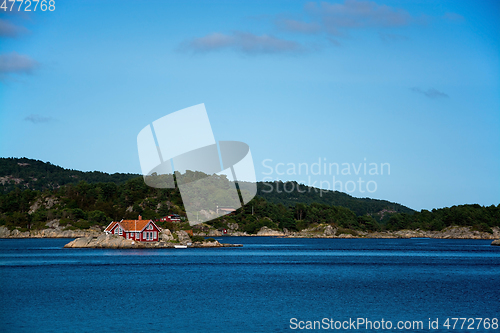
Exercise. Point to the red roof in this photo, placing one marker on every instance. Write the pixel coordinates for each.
(131, 225)
(110, 226)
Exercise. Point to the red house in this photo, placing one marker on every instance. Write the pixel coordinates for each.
(140, 230)
(170, 218)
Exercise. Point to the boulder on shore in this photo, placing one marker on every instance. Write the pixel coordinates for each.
(496, 242)
(265, 231)
(183, 237)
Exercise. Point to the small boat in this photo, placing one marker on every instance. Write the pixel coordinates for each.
(180, 246)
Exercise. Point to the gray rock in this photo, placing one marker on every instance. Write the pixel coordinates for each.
(104, 241)
(34, 207)
(214, 233)
(166, 235)
(329, 231)
(183, 237)
(496, 242)
(265, 231)
(53, 224)
(233, 226)
(79, 242)
(4, 232)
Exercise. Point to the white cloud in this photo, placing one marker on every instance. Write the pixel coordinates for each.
(357, 14)
(454, 17)
(14, 62)
(36, 118)
(338, 18)
(244, 42)
(8, 29)
(430, 93)
(298, 26)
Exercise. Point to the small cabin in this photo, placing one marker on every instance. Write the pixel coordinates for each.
(169, 218)
(139, 230)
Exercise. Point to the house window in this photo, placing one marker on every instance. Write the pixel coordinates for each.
(154, 234)
(137, 235)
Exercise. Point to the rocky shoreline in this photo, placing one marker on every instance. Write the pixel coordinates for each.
(327, 231)
(48, 233)
(320, 231)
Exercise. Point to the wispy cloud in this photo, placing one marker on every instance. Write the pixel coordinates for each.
(10, 30)
(333, 21)
(298, 26)
(244, 42)
(15, 63)
(333, 41)
(430, 93)
(37, 119)
(389, 38)
(337, 18)
(454, 17)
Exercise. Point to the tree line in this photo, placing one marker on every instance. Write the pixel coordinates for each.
(84, 204)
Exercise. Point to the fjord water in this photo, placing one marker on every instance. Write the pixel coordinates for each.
(256, 288)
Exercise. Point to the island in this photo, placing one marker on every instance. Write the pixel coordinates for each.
(179, 239)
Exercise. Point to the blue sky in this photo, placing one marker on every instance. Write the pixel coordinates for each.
(414, 84)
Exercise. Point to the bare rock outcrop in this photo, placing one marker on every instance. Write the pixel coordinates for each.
(166, 235)
(214, 233)
(265, 231)
(56, 232)
(47, 202)
(329, 230)
(233, 226)
(4, 232)
(104, 241)
(496, 242)
(183, 237)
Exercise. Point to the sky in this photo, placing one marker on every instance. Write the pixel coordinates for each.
(393, 100)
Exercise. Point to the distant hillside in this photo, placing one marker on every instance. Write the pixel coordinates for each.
(25, 173)
(308, 195)
(80, 200)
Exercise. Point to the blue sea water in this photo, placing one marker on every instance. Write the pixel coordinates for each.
(257, 288)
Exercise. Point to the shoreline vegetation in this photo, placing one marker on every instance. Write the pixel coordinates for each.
(321, 231)
(95, 238)
(41, 200)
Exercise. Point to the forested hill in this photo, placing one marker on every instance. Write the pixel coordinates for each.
(85, 199)
(297, 193)
(24, 173)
